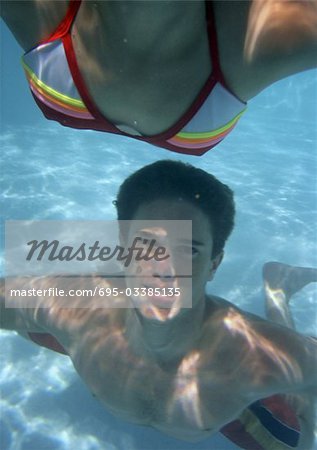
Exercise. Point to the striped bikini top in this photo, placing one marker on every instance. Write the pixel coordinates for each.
(60, 91)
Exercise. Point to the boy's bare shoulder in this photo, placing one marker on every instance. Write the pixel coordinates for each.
(218, 307)
(230, 331)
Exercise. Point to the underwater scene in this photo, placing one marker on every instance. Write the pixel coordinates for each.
(49, 172)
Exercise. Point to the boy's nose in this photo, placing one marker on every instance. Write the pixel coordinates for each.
(163, 269)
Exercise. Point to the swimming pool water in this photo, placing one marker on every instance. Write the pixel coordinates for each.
(270, 161)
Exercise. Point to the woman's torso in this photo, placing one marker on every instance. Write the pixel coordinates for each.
(143, 63)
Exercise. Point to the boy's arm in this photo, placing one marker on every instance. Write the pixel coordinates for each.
(54, 304)
(252, 359)
(14, 318)
(279, 360)
(69, 318)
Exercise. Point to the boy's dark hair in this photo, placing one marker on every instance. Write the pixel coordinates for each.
(173, 180)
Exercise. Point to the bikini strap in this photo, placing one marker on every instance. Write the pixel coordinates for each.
(213, 42)
(66, 24)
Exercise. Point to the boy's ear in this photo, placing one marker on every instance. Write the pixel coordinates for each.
(215, 263)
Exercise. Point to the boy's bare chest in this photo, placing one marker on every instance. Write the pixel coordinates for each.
(142, 391)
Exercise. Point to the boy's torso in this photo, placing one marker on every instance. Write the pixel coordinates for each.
(188, 399)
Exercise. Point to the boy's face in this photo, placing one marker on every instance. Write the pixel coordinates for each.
(160, 274)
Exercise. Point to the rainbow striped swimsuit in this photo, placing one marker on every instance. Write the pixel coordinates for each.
(60, 91)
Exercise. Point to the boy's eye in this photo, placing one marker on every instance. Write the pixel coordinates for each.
(186, 250)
